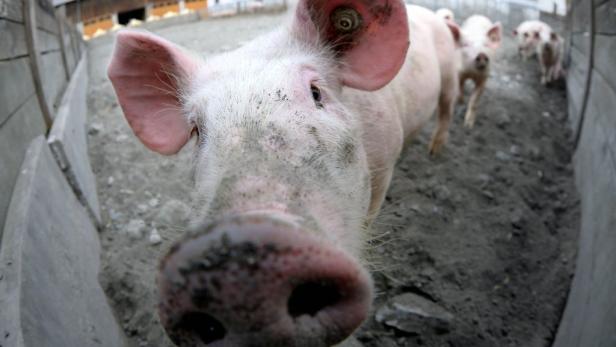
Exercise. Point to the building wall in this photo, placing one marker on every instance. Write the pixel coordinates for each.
(161, 9)
(196, 5)
(590, 315)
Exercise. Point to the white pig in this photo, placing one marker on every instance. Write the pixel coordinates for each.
(528, 35)
(446, 14)
(297, 136)
(479, 39)
(550, 52)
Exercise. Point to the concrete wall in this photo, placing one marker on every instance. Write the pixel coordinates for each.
(33, 76)
(49, 246)
(590, 315)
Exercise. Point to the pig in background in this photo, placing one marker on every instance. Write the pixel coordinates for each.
(446, 14)
(528, 36)
(296, 136)
(479, 40)
(536, 38)
(550, 54)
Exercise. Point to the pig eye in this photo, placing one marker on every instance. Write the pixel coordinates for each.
(346, 20)
(316, 95)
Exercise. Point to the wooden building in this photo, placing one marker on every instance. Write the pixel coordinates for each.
(102, 15)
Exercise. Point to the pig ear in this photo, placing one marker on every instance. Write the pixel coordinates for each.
(495, 35)
(455, 31)
(370, 38)
(148, 74)
(553, 36)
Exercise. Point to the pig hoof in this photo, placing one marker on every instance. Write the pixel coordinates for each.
(436, 147)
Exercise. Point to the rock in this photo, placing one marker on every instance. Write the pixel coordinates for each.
(488, 194)
(153, 202)
(484, 180)
(502, 156)
(413, 314)
(142, 208)
(95, 129)
(517, 219)
(503, 120)
(110, 180)
(415, 208)
(134, 228)
(535, 153)
(114, 215)
(173, 213)
(155, 238)
(442, 193)
(515, 150)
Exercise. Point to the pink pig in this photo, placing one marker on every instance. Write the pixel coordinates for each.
(297, 134)
(446, 14)
(528, 35)
(479, 38)
(550, 53)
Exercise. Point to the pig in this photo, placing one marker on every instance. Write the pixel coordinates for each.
(528, 35)
(479, 40)
(446, 14)
(550, 52)
(296, 136)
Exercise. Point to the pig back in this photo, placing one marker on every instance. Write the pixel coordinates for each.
(396, 112)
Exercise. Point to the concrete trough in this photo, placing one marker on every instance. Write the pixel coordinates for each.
(68, 141)
(49, 264)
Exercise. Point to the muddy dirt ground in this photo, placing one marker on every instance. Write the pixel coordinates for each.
(486, 231)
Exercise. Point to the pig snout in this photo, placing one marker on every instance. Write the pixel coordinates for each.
(256, 281)
(482, 61)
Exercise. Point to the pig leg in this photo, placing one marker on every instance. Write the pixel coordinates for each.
(469, 118)
(544, 69)
(461, 90)
(445, 110)
(556, 71)
(551, 74)
(381, 178)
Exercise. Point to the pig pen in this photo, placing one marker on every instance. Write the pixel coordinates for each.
(483, 237)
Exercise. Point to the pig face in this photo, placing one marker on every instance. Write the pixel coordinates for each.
(282, 185)
(528, 35)
(478, 47)
(274, 138)
(549, 43)
(445, 14)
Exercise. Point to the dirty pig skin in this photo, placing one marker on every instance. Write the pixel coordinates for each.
(297, 134)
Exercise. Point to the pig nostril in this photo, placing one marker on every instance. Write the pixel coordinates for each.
(206, 327)
(311, 297)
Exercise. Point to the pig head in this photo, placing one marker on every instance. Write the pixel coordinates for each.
(282, 186)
